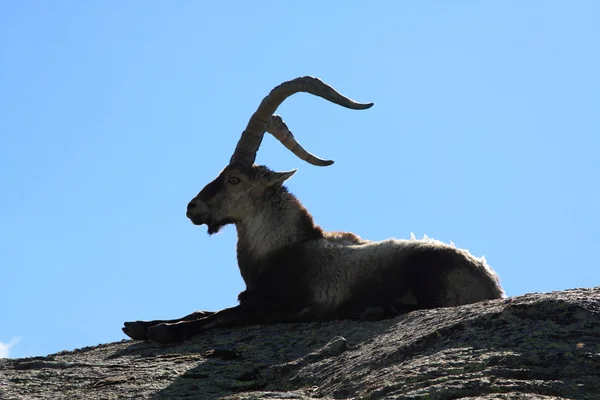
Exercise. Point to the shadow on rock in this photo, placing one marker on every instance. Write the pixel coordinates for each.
(250, 358)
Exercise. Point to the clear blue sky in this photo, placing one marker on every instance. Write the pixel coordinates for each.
(113, 115)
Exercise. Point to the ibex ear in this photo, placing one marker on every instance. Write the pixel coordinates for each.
(280, 177)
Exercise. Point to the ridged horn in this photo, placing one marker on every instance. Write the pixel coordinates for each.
(279, 129)
(263, 118)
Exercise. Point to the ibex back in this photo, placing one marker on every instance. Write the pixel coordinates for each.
(295, 271)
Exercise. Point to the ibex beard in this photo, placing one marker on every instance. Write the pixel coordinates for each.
(293, 270)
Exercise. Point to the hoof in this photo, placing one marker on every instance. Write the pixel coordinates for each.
(161, 334)
(135, 330)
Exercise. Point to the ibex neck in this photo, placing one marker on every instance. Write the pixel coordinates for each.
(278, 222)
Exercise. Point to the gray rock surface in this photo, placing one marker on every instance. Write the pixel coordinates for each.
(536, 346)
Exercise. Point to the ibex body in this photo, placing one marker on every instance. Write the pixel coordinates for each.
(293, 270)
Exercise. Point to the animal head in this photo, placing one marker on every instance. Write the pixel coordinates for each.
(237, 192)
(242, 186)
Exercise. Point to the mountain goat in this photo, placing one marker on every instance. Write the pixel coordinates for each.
(295, 271)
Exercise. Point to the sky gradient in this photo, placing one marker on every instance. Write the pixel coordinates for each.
(113, 115)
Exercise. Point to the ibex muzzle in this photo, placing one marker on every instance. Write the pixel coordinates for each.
(198, 209)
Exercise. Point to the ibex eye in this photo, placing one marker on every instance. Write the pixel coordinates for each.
(233, 180)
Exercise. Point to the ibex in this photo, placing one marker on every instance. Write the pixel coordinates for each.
(295, 271)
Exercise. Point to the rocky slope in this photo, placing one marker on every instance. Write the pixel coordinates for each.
(537, 346)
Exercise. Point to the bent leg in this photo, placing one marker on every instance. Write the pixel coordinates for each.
(137, 330)
(243, 314)
(167, 332)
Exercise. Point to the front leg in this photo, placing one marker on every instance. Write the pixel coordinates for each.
(244, 314)
(137, 330)
(168, 332)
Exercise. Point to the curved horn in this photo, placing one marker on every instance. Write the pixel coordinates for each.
(247, 146)
(279, 129)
